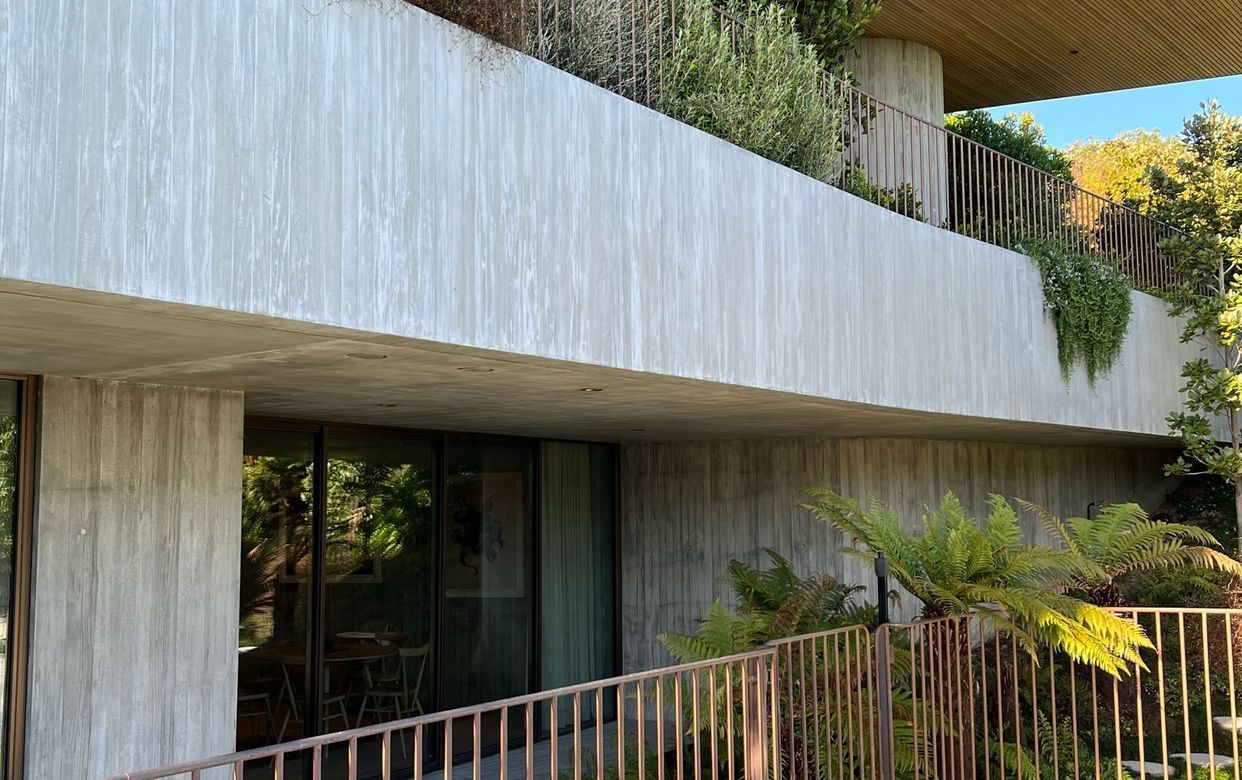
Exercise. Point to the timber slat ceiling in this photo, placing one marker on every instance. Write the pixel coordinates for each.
(1010, 51)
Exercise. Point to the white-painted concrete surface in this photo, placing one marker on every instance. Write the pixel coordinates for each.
(387, 173)
(134, 608)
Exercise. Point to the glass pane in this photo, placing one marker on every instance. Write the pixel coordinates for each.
(487, 575)
(9, 433)
(380, 569)
(276, 545)
(576, 540)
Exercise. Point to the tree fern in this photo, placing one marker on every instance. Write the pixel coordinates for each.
(1122, 540)
(955, 565)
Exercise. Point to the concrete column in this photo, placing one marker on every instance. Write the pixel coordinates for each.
(133, 656)
(894, 150)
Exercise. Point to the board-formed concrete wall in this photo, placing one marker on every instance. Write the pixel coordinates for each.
(688, 508)
(134, 617)
(381, 170)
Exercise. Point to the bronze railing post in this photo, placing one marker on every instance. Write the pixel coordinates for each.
(884, 696)
(754, 715)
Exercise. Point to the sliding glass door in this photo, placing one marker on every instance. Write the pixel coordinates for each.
(488, 583)
(387, 574)
(11, 398)
(380, 575)
(277, 548)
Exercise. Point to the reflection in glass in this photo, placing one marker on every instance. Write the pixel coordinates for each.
(380, 570)
(487, 574)
(9, 433)
(276, 547)
(411, 525)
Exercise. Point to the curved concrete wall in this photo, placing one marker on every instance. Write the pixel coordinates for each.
(910, 77)
(904, 74)
(383, 172)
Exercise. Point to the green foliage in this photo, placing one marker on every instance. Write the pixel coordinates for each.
(592, 40)
(374, 511)
(8, 496)
(902, 199)
(1121, 540)
(1202, 195)
(1088, 299)
(1004, 209)
(777, 603)
(765, 94)
(954, 566)
(1204, 501)
(1017, 135)
(1118, 168)
(1193, 588)
(772, 604)
(830, 26)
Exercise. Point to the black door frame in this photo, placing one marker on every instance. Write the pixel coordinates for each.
(22, 571)
(316, 626)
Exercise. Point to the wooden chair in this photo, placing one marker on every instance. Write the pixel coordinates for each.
(396, 693)
(247, 698)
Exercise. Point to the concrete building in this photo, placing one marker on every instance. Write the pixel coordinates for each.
(471, 357)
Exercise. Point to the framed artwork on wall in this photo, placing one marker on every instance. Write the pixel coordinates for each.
(485, 545)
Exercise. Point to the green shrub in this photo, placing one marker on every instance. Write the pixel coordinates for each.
(766, 94)
(992, 205)
(902, 199)
(603, 42)
(830, 26)
(1088, 299)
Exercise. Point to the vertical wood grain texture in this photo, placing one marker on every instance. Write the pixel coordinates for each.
(377, 169)
(134, 621)
(687, 508)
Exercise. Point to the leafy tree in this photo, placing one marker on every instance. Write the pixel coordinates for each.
(1017, 135)
(1122, 540)
(995, 206)
(954, 566)
(1118, 168)
(1202, 195)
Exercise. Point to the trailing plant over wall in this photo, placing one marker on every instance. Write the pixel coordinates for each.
(1088, 299)
(763, 94)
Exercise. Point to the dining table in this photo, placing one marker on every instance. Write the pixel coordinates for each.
(295, 655)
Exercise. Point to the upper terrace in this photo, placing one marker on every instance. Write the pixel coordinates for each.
(268, 209)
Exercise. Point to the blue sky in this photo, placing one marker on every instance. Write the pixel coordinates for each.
(1104, 115)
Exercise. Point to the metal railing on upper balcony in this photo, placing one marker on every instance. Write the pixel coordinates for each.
(892, 158)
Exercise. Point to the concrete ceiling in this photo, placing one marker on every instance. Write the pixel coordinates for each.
(1013, 51)
(301, 370)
